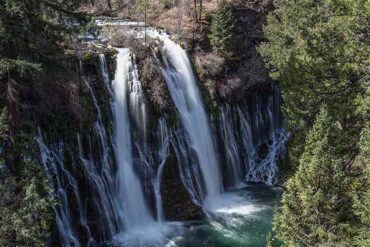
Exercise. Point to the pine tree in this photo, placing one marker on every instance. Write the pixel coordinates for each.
(316, 207)
(362, 201)
(317, 50)
(222, 28)
(30, 36)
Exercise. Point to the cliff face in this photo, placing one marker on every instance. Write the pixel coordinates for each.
(222, 77)
(232, 77)
(177, 203)
(225, 77)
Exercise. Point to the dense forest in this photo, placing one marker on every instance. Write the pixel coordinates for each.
(315, 52)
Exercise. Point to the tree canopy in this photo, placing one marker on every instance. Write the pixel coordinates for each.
(318, 51)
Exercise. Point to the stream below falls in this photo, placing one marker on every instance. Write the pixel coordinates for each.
(241, 218)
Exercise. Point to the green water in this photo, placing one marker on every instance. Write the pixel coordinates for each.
(243, 218)
(240, 218)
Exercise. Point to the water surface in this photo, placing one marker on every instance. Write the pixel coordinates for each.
(241, 218)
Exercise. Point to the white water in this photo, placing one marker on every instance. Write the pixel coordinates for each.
(141, 229)
(163, 151)
(137, 106)
(121, 200)
(53, 164)
(231, 152)
(134, 211)
(183, 88)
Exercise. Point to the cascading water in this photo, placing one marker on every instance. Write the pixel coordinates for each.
(136, 102)
(109, 187)
(268, 135)
(62, 179)
(105, 74)
(141, 227)
(133, 211)
(253, 138)
(234, 166)
(112, 192)
(163, 151)
(181, 83)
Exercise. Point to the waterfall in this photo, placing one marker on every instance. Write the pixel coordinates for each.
(234, 166)
(62, 179)
(137, 104)
(182, 85)
(101, 198)
(99, 173)
(268, 134)
(252, 138)
(134, 211)
(108, 185)
(163, 151)
(105, 74)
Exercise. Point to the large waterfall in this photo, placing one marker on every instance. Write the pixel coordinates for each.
(134, 211)
(108, 181)
(182, 85)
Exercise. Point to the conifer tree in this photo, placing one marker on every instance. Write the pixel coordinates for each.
(316, 207)
(362, 201)
(30, 37)
(317, 50)
(222, 29)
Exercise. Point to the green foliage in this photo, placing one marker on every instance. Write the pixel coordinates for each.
(27, 29)
(318, 52)
(222, 29)
(362, 201)
(30, 35)
(17, 68)
(317, 204)
(4, 125)
(25, 212)
(270, 241)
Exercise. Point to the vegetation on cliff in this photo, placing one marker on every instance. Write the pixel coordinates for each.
(33, 88)
(222, 29)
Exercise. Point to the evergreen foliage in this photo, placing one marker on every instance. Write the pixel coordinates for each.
(222, 29)
(318, 50)
(316, 206)
(270, 240)
(362, 201)
(30, 35)
(25, 212)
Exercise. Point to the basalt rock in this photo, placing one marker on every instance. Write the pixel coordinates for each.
(177, 204)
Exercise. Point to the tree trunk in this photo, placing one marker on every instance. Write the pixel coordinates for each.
(109, 4)
(200, 9)
(195, 11)
(145, 8)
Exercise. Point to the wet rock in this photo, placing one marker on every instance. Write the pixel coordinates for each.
(177, 204)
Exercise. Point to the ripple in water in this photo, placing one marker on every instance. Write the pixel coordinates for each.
(238, 219)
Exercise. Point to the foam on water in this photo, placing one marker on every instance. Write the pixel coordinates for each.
(151, 235)
(231, 203)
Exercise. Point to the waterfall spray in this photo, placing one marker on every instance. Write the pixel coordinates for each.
(181, 83)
